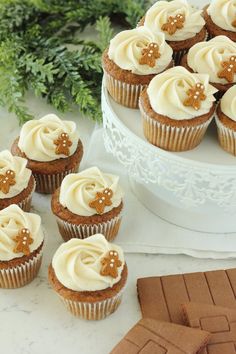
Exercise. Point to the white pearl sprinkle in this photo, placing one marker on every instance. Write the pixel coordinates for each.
(4, 181)
(229, 70)
(149, 55)
(112, 260)
(103, 198)
(24, 243)
(100, 201)
(111, 265)
(195, 97)
(231, 66)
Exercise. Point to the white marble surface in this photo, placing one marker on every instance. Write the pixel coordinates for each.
(33, 320)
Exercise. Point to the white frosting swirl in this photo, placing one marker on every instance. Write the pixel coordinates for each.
(223, 13)
(168, 91)
(228, 103)
(160, 12)
(79, 189)
(12, 220)
(206, 57)
(37, 137)
(22, 174)
(77, 263)
(126, 50)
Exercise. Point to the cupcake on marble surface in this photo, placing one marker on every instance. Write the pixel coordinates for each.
(182, 24)
(220, 17)
(17, 183)
(177, 108)
(52, 148)
(217, 58)
(21, 242)
(131, 61)
(87, 203)
(89, 276)
(226, 121)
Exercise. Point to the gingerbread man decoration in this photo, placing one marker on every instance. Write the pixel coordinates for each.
(102, 200)
(195, 96)
(150, 54)
(110, 264)
(229, 69)
(23, 241)
(173, 24)
(63, 144)
(7, 180)
(234, 23)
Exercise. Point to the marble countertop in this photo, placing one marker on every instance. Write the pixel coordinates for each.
(32, 319)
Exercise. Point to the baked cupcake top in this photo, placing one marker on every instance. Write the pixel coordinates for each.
(228, 103)
(177, 19)
(223, 14)
(90, 192)
(179, 94)
(48, 138)
(20, 233)
(14, 176)
(89, 264)
(140, 51)
(216, 57)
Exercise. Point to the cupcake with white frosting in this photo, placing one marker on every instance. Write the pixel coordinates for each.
(217, 58)
(133, 58)
(17, 183)
(226, 121)
(220, 17)
(177, 108)
(182, 24)
(89, 276)
(52, 148)
(88, 202)
(21, 242)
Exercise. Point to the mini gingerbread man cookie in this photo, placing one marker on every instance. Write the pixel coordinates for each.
(150, 54)
(110, 264)
(173, 24)
(7, 180)
(102, 200)
(196, 95)
(234, 23)
(229, 69)
(23, 241)
(63, 144)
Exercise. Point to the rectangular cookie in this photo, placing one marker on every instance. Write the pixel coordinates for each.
(161, 297)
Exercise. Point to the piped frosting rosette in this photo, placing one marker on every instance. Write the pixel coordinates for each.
(78, 263)
(216, 57)
(177, 108)
(228, 103)
(223, 14)
(162, 15)
(48, 138)
(140, 51)
(14, 176)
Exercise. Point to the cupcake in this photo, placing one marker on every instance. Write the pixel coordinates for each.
(177, 108)
(217, 58)
(89, 276)
(52, 149)
(131, 61)
(226, 121)
(220, 17)
(182, 24)
(21, 242)
(87, 203)
(17, 183)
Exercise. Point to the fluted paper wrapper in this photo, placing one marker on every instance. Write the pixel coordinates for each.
(48, 183)
(25, 204)
(109, 229)
(226, 136)
(178, 55)
(16, 277)
(173, 138)
(93, 310)
(125, 94)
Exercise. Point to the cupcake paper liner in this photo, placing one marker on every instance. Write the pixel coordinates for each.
(226, 137)
(95, 310)
(173, 138)
(25, 204)
(178, 55)
(16, 277)
(109, 229)
(48, 183)
(123, 93)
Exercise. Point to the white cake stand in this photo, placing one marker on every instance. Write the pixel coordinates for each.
(194, 189)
